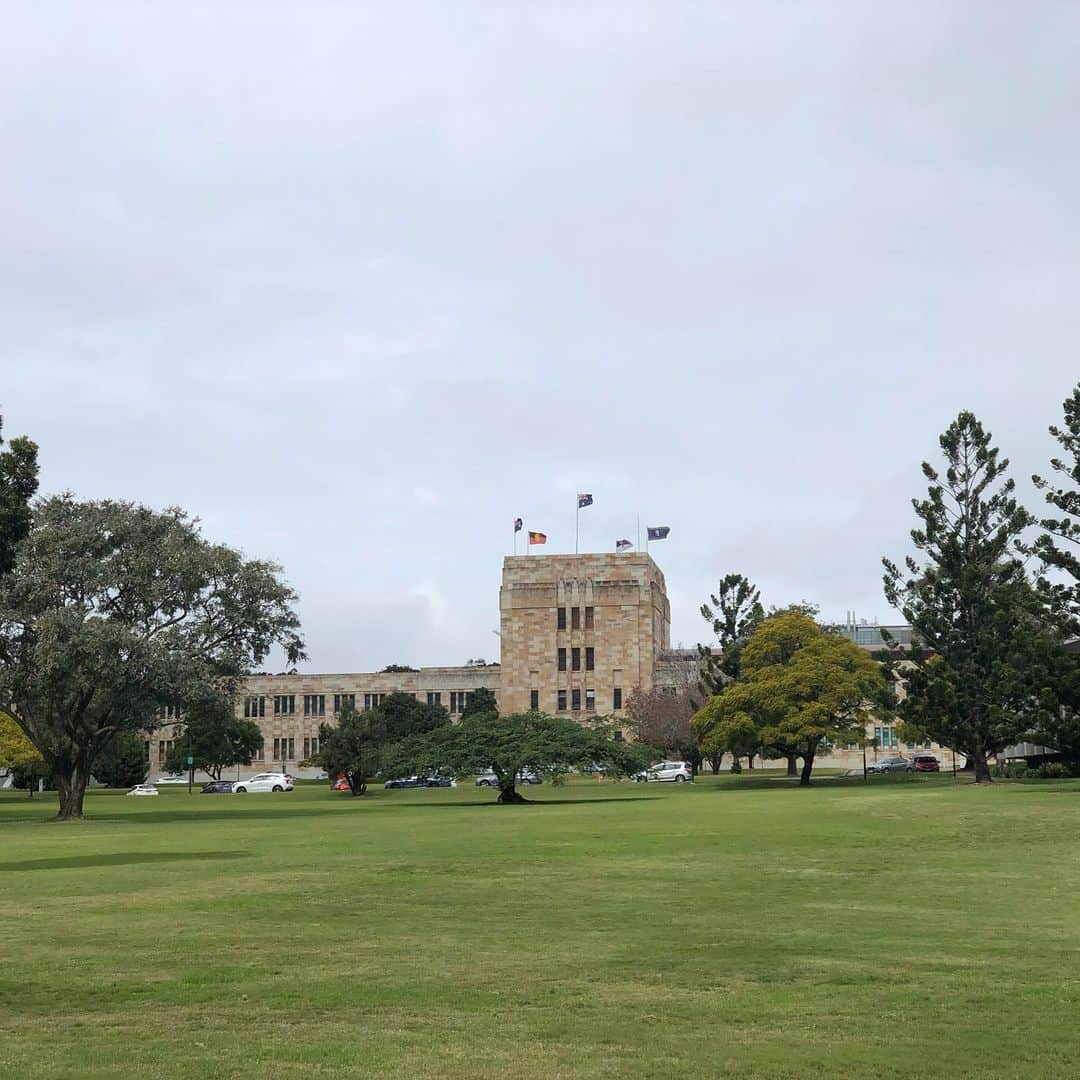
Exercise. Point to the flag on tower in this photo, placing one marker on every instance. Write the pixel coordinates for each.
(658, 532)
(517, 525)
(537, 538)
(583, 501)
(623, 545)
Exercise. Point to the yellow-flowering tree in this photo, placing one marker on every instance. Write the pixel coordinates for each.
(801, 687)
(16, 750)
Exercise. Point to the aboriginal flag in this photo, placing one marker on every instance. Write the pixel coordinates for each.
(537, 538)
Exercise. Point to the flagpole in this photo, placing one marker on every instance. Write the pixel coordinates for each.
(577, 523)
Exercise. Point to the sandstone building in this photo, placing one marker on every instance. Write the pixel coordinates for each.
(578, 634)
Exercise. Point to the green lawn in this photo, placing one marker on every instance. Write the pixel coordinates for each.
(742, 927)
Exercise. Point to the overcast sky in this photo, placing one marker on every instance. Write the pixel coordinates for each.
(359, 284)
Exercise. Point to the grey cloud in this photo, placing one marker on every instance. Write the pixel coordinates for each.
(358, 285)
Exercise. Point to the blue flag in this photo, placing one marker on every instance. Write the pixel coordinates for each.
(659, 532)
(584, 500)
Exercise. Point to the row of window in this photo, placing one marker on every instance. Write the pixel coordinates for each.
(315, 704)
(575, 618)
(285, 748)
(574, 697)
(886, 737)
(575, 659)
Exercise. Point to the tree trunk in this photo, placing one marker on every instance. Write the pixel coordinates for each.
(508, 793)
(981, 765)
(71, 785)
(808, 765)
(715, 761)
(792, 764)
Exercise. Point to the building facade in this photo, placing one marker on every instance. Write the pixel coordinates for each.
(578, 634)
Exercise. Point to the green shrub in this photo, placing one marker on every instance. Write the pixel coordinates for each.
(1052, 770)
(736, 766)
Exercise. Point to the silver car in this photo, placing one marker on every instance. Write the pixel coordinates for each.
(890, 764)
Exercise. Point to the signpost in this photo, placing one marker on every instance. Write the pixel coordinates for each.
(191, 773)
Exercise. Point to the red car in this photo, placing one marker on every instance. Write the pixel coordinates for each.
(925, 763)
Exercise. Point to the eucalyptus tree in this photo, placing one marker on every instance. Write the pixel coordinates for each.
(113, 610)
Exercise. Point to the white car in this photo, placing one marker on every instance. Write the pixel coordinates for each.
(677, 772)
(143, 789)
(171, 780)
(264, 781)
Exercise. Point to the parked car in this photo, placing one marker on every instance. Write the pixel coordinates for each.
(925, 763)
(677, 772)
(143, 789)
(525, 776)
(889, 764)
(404, 781)
(218, 787)
(171, 779)
(267, 781)
(440, 781)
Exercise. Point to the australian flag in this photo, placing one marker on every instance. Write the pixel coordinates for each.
(659, 532)
(584, 500)
(623, 545)
(517, 525)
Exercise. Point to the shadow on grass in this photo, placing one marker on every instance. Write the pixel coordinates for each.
(528, 802)
(119, 858)
(747, 783)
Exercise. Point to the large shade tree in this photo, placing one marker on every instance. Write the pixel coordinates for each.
(114, 609)
(976, 677)
(801, 686)
(532, 741)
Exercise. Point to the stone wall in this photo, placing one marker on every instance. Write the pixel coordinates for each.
(626, 597)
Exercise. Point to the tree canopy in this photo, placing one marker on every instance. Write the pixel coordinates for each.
(800, 687)
(733, 613)
(121, 762)
(363, 743)
(16, 750)
(661, 720)
(1059, 546)
(18, 485)
(977, 676)
(113, 610)
(353, 747)
(212, 734)
(509, 745)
